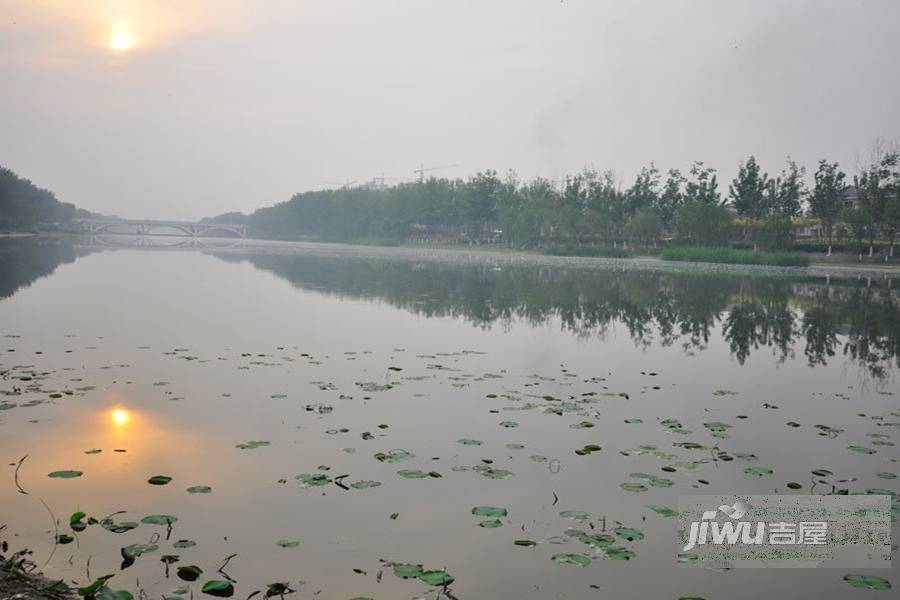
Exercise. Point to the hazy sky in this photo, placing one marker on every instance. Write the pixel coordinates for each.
(182, 109)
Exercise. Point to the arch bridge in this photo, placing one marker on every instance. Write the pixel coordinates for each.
(152, 227)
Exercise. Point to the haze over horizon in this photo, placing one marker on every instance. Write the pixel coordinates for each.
(181, 110)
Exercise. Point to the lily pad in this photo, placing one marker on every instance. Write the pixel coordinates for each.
(489, 511)
(408, 571)
(65, 474)
(199, 489)
(218, 588)
(491, 523)
(629, 534)
(758, 471)
(571, 559)
(868, 582)
(159, 480)
(287, 543)
(578, 515)
(364, 484)
(189, 572)
(313, 479)
(412, 473)
(436, 578)
(159, 519)
(394, 456)
(253, 444)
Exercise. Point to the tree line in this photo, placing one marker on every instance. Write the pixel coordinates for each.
(25, 206)
(592, 208)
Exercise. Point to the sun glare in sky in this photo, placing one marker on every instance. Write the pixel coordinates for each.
(122, 39)
(120, 417)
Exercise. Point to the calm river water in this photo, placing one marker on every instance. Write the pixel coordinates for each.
(406, 388)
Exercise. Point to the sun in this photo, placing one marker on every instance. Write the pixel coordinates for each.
(120, 417)
(121, 39)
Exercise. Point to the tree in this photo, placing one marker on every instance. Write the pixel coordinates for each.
(827, 199)
(703, 186)
(860, 223)
(671, 198)
(747, 190)
(644, 228)
(790, 191)
(892, 220)
(645, 191)
(703, 224)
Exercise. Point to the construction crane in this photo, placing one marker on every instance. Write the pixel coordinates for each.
(422, 170)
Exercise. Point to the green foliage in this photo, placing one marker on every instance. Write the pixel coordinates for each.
(747, 191)
(644, 228)
(703, 224)
(827, 198)
(859, 223)
(576, 250)
(776, 232)
(24, 206)
(730, 256)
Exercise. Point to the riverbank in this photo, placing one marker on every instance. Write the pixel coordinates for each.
(17, 584)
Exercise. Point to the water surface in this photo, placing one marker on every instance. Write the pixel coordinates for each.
(177, 356)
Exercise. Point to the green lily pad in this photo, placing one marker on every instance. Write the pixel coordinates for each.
(489, 511)
(218, 588)
(394, 456)
(65, 474)
(470, 442)
(571, 559)
(364, 484)
(508, 424)
(184, 544)
(861, 449)
(90, 590)
(106, 593)
(253, 444)
(159, 480)
(664, 511)
(313, 479)
(134, 551)
(491, 523)
(412, 473)
(189, 572)
(629, 534)
(287, 543)
(578, 515)
(199, 489)
(630, 486)
(868, 582)
(492, 473)
(525, 543)
(159, 519)
(408, 571)
(436, 578)
(758, 471)
(616, 553)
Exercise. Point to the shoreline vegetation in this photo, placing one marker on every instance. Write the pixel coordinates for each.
(761, 220)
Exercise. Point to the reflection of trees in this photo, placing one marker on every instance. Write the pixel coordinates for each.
(655, 308)
(23, 260)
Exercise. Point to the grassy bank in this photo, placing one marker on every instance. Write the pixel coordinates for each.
(735, 257)
(578, 250)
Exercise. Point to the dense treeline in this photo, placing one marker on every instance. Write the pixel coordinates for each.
(25, 207)
(592, 208)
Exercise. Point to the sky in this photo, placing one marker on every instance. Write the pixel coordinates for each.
(180, 109)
